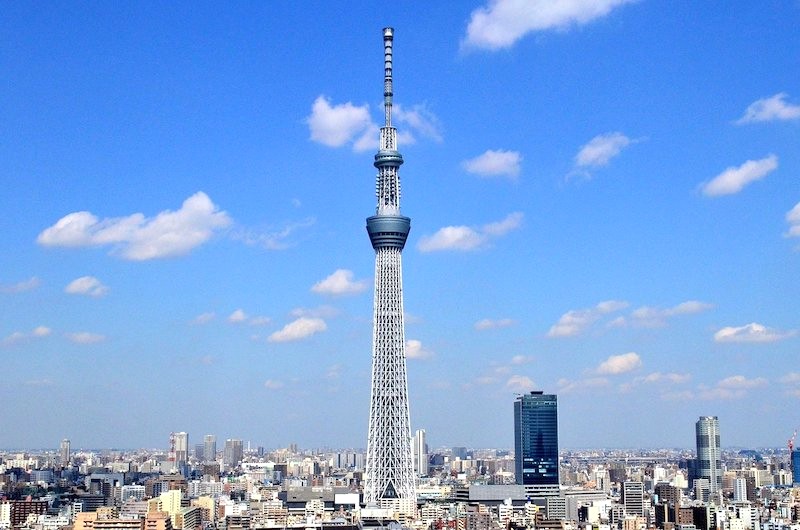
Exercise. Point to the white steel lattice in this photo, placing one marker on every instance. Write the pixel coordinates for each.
(389, 467)
(389, 472)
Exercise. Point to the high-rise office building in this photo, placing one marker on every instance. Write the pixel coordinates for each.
(389, 472)
(709, 456)
(420, 453)
(536, 442)
(795, 457)
(633, 497)
(209, 448)
(233, 453)
(65, 452)
(181, 448)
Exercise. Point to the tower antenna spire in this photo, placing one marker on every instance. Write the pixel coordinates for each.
(389, 480)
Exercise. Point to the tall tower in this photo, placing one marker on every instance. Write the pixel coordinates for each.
(709, 458)
(389, 470)
(64, 449)
(536, 443)
(209, 448)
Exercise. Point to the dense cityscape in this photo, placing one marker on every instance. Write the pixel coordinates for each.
(399, 479)
(239, 486)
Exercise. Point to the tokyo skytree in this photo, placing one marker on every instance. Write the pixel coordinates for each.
(389, 471)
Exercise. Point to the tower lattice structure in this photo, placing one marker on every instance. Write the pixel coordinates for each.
(389, 466)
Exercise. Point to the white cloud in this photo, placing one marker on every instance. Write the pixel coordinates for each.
(752, 332)
(575, 321)
(770, 109)
(272, 384)
(567, 386)
(734, 179)
(734, 387)
(419, 120)
(272, 239)
(259, 321)
(503, 22)
(137, 237)
(19, 336)
(299, 329)
(340, 124)
(204, 318)
(323, 311)
(20, 287)
(657, 379)
(620, 364)
(498, 163)
(484, 380)
(237, 316)
(521, 359)
(41, 331)
(488, 323)
(415, 350)
(340, 283)
(792, 378)
(520, 383)
(465, 238)
(87, 286)
(652, 317)
(601, 149)
(85, 337)
(793, 218)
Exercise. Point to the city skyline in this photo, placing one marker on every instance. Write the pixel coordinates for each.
(605, 199)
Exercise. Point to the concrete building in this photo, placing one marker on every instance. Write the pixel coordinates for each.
(536, 443)
(420, 453)
(209, 448)
(233, 453)
(633, 498)
(709, 457)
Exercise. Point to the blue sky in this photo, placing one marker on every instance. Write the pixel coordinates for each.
(604, 198)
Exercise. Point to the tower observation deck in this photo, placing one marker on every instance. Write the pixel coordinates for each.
(389, 478)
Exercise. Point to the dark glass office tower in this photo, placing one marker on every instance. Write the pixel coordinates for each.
(536, 439)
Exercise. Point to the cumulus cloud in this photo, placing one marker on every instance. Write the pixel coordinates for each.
(488, 323)
(620, 364)
(21, 287)
(272, 384)
(272, 238)
(521, 359)
(87, 286)
(137, 237)
(734, 387)
(774, 108)
(492, 163)
(341, 282)
(752, 332)
(652, 317)
(204, 318)
(418, 119)
(85, 337)
(20, 336)
(520, 383)
(734, 179)
(466, 238)
(576, 321)
(502, 23)
(601, 149)
(337, 125)
(656, 379)
(793, 218)
(415, 350)
(237, 316)
(568, 386)
(299, 329)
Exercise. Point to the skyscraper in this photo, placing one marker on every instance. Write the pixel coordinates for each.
(209, 448)
(795, 457)
(420, 453)
(389, 471)
(233, 453)
(181, 448)
(536, 442)
(65, 452)
(709, 458)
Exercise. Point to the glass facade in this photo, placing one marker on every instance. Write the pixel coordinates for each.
(536, 439)
(796, 467)
(709, 457)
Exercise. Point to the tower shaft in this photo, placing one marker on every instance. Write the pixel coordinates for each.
(389, 469)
